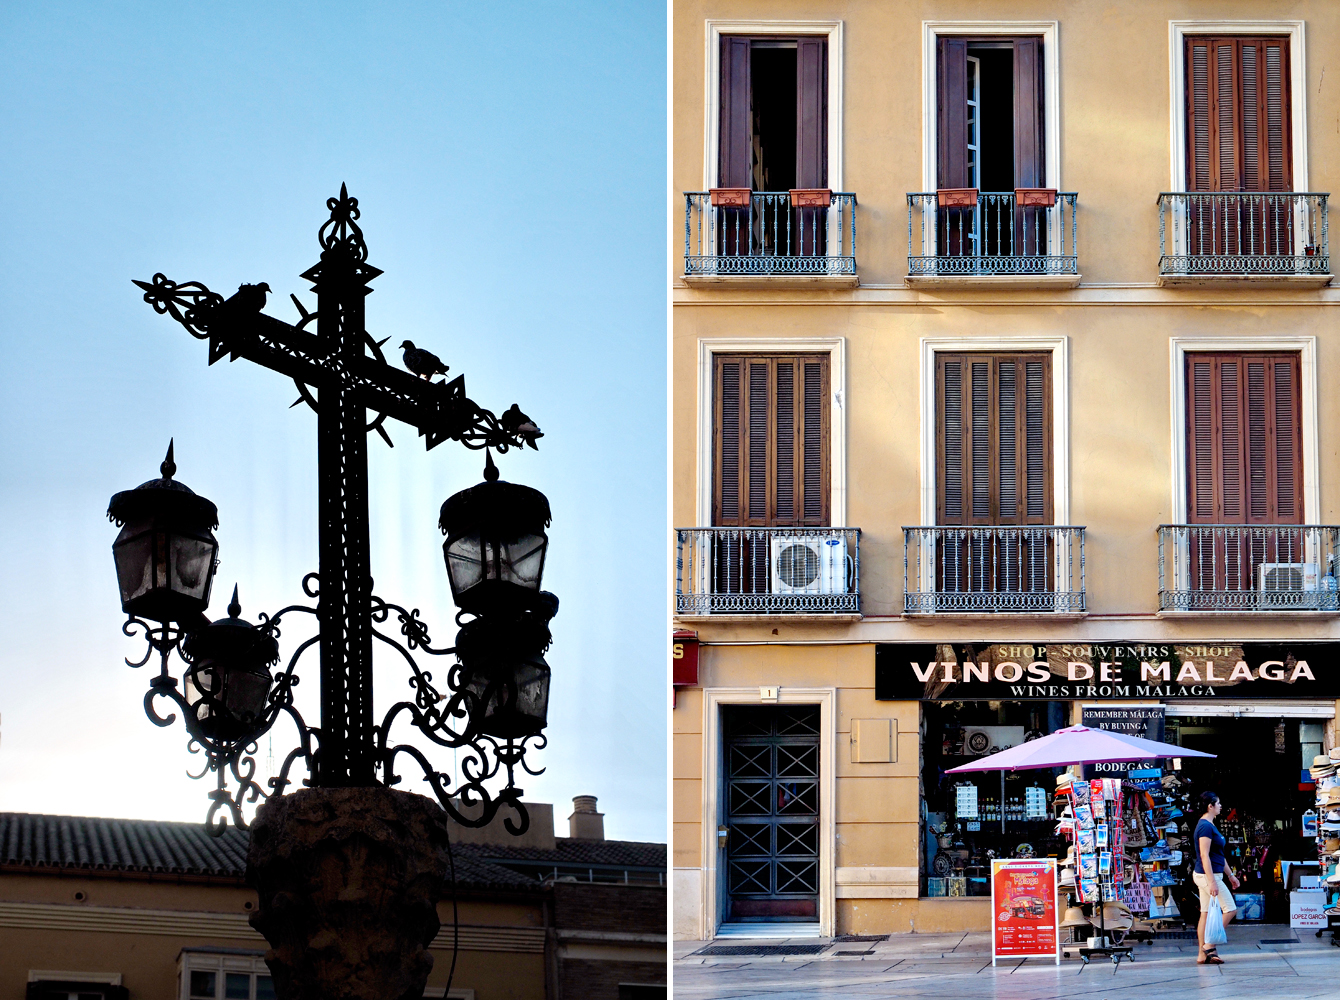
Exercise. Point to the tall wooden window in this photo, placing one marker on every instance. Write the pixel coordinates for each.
(1244, 439)
(770, 440)
(1238, 114)
(994, 440)
(1009, 144)
(774, 113)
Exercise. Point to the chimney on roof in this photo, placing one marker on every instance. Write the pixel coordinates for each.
(585, 823)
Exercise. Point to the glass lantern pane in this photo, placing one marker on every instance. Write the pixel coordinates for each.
(523, 560)
(202, 985)
(196, 683)
(464, 565)
(192, 559)
(246, 694)
(237, 986)
(532, 695)
(134, 554)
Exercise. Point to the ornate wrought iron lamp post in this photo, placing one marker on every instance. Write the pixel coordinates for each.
(347, 868)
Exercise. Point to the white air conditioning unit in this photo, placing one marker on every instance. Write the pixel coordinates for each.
(1275, 580)
(809, 564)
(978, 740)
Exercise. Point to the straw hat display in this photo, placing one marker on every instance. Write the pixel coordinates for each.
(1074, 917)
(1117, 916)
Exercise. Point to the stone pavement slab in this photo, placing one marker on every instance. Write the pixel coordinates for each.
(959, 966)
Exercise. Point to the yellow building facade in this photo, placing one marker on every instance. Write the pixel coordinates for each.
(1002, 338)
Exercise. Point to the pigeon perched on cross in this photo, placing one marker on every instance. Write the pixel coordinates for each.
(424, 364)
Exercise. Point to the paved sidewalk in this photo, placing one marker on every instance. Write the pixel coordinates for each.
(959, 966)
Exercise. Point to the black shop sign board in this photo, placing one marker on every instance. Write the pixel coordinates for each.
(1095, 671)
(1144, 721)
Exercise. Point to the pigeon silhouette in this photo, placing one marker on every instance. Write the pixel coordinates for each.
(249, 299)
(424, 364)
(515, 422)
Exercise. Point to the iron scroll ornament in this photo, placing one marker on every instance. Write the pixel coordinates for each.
(448, 720)
(342, 374)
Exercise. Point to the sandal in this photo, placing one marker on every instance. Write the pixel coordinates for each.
(1210, 956)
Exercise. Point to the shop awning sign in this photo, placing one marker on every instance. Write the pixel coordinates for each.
(1095, 671)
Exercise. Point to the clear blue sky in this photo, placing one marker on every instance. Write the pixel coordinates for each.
(509, 160)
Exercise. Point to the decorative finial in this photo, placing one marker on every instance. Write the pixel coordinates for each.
(344, 192)
(234, 608)
(490, 470)
(169, 467)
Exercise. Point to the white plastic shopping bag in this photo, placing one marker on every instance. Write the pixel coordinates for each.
(1214, 924)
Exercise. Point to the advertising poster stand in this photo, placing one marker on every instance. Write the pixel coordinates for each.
(1025, 922)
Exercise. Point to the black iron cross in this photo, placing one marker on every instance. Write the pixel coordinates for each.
(350, 374)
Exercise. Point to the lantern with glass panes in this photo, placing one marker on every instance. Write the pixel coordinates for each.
(166, 553)
(227, 683)
(494, 552)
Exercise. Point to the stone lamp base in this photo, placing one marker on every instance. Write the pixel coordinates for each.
(348, 880)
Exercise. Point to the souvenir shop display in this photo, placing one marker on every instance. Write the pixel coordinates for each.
(1095, 871)
(1325, 772)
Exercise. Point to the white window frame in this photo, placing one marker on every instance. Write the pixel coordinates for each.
(713, 785)
(1306, 347)
(1177, 32)
(1051, 85)
(1059, 348)
(219, 962)
(836, 349)
(715, 28)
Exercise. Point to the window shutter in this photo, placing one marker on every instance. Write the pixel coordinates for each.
(952, 112)
(727, 437)
(812, 113)
(771, 441)
(1029, 158)
(1244, 439)
(994, 439)
(1238, 114)
(735, 141)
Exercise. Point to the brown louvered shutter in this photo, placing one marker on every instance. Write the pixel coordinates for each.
(951, 135)
(1238, 116)
(1244, 439)
(770, 441)
(736, 127)
(1029, 148)
(994, 454)
(812, 113)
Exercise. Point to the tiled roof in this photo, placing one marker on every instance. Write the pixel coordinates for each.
(157, 846)
(128, 845)
(571, 851)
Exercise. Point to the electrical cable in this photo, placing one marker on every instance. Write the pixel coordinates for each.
(455, 917)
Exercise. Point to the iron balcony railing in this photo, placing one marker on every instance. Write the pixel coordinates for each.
(769, 237)
(1243, 233)
(1247, 567)
(767, 571)
(995, 236)
(996, 568)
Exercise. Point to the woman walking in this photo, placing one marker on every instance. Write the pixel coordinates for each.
(1211, 870)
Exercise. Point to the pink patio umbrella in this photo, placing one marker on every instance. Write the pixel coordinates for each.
(1076, 745)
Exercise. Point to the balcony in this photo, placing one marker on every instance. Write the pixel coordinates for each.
(768, 571)
(1233, 239)
(738, 238)
(997, 569)
(964, 238)
(1247, 568)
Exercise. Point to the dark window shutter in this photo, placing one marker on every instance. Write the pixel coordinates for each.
(1244, 439)
(994, 454)
(812, 113)
(951, 142)
(1237, 94)
(1029, 150)
(735, 141)
(771, 457)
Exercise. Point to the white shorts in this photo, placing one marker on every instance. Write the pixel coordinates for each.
(1226, 902)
